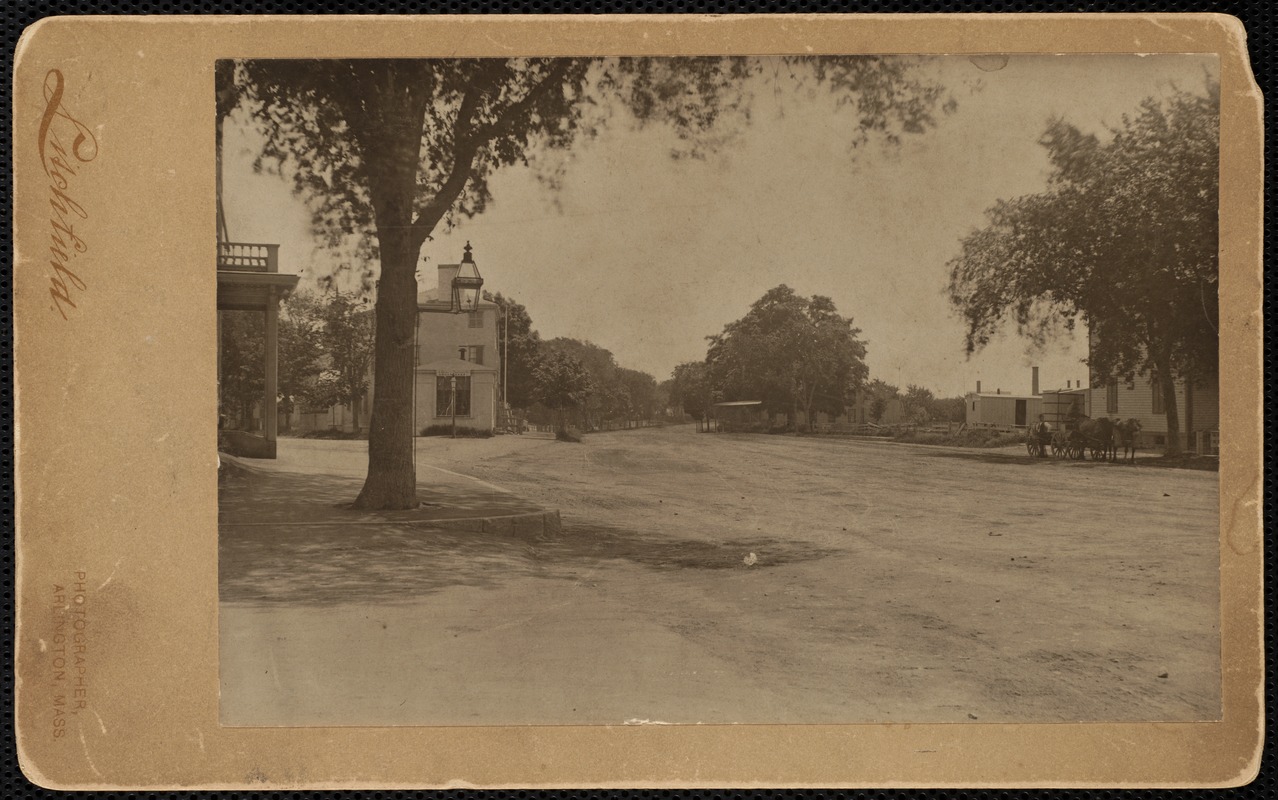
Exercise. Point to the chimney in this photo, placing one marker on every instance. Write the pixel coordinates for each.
(1034, 382)
(446, 274)
(978, 387)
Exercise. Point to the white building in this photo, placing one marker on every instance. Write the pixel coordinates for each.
(457, 360)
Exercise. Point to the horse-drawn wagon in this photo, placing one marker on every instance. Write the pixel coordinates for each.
(1081, 436)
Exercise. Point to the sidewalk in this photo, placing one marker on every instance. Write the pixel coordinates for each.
(254, 493)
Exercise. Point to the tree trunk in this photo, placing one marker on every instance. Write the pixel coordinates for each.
(392, 166)
(1168, 383)
(1189, 413)
(355, 412)
(392, 475)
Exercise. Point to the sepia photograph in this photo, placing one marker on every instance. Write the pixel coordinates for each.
(805, 390)
(648, 401)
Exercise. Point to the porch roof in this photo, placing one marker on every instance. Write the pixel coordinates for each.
(242, 290)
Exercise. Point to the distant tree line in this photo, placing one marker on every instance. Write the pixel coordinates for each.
(567, 382)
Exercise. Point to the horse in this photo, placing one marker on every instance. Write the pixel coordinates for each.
(1126, 433)
(1096, 435)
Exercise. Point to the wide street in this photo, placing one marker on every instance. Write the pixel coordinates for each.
(738, 579)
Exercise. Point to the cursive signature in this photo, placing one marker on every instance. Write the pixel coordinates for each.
(60, 167)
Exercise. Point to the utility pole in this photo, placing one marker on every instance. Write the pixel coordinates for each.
(505, 354)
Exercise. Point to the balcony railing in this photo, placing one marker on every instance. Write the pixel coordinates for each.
(248, 257)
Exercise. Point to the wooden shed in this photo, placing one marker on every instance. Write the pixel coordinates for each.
(1002, 411)
(738, 416)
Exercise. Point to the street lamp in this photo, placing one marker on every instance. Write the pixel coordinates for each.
(466, 285)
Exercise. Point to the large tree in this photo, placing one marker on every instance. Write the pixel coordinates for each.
(690, 388)
(640, 390)
(791, 352)
(519, 348)
(1124, 238)
(618, 394)
(300, 353)
(880, 394)
(391, 148)
(562, 384)
(917, 403)
(345, 334)
(242, 380)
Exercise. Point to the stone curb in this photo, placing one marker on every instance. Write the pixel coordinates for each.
(534, 523)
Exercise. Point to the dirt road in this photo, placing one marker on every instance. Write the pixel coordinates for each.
(722, 578)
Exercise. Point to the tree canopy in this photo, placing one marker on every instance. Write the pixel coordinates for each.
(1124, 238)
(519, 347)
(690, 388)
(617, 394)
(384, 150)
(793, 353)
(562, 384)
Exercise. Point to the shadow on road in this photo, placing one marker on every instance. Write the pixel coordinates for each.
(329, 563)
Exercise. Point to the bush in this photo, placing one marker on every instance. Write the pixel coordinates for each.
(568, 435)
(971, 437)
(462, 433)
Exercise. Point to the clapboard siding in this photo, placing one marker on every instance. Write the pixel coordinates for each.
(1207, 407)
(1136, 401)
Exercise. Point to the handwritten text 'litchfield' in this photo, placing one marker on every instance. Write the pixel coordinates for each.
(65, 245)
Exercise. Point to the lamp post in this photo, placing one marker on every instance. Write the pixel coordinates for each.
(453, 402)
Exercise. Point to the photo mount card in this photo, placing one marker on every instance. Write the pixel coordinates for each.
(543, 555)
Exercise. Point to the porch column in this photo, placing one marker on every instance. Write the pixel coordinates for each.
(271, 395)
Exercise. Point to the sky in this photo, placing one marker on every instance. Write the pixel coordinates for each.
(647, 255)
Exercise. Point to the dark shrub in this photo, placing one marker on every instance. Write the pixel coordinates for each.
(334, 433)
(462, 433)
(568, 435)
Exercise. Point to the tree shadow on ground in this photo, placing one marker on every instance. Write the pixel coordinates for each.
(246, 496)
(325, 564)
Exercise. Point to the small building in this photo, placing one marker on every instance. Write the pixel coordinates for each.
(456, 360)
(738, 416)
(1002, 411)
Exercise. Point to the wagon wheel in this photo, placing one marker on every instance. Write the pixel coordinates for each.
(1033, 447)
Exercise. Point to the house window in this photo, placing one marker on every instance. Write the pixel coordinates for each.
(476, 319)
(1111, 396)
(473, 353)
(444, 395)
(1156, 393)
